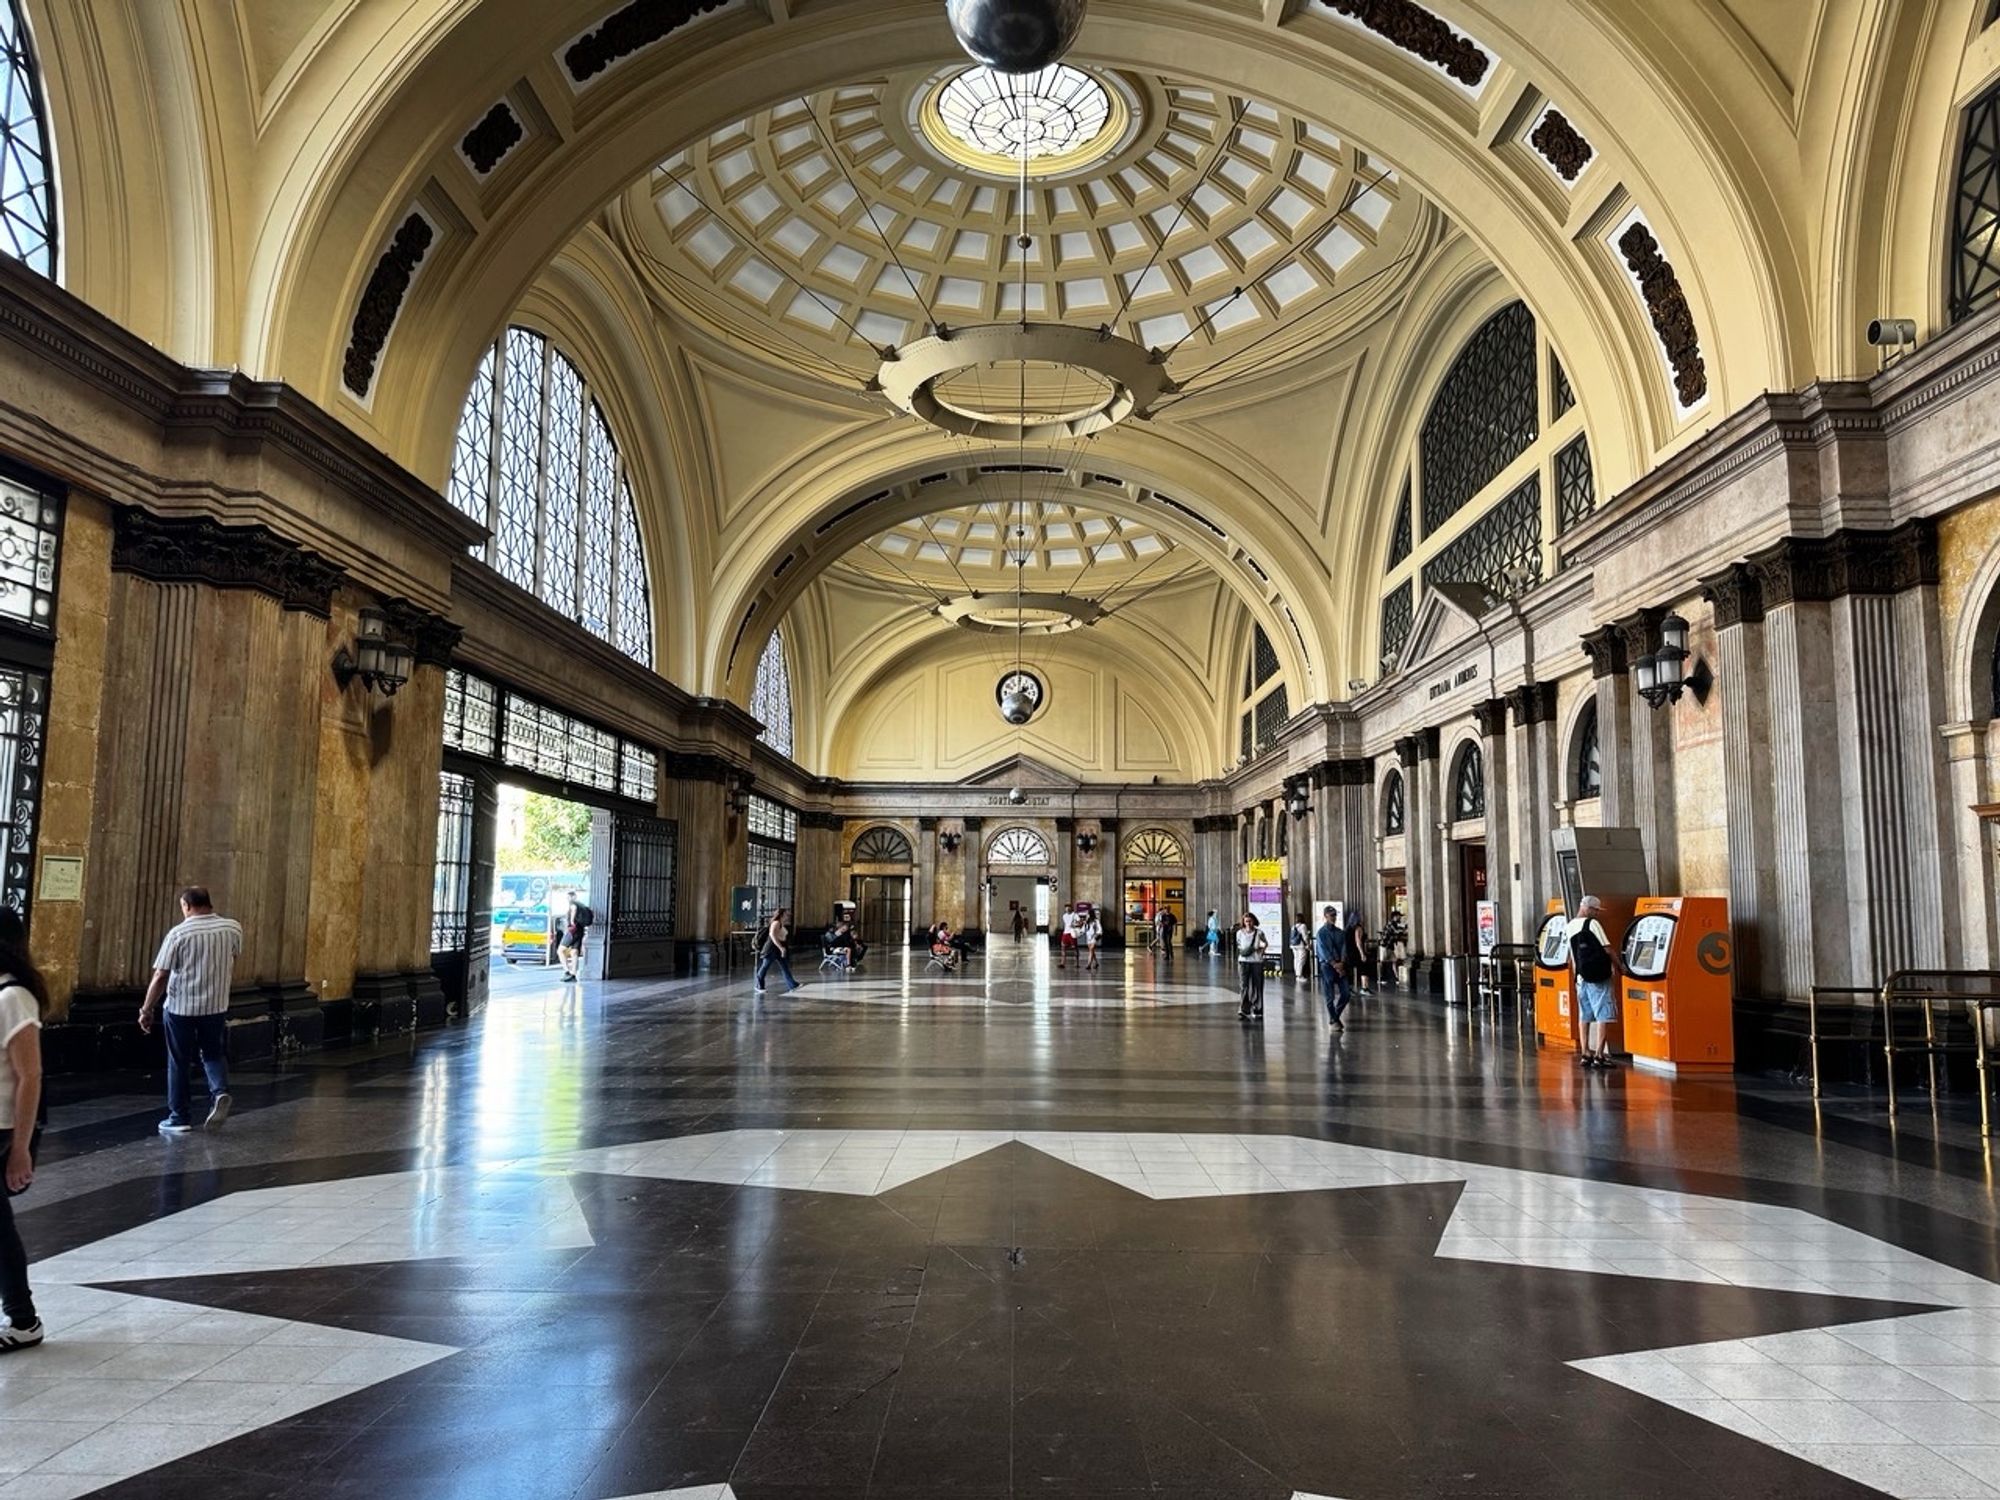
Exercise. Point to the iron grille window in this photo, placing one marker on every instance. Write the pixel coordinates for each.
(771, 870)
(1017, 846)
(1284, 835)
(1975, 219)
(882, 846)
(24, 720)
(1263, 837)
(1561, 397)
(1248, 738)
(771, 698)
(1468, 784)
(771, 820)
(1509, 534)
(451, 885)
(1272, 710)
(1154, 847)
(644, 864)
(536, 462)
(27, 185)
(471, 714)
(1589, 768)
(551, 743)
(1576, 485)
(638, 772)
(1392, 804)
(30, 539)
(1249, 847)
(1397, 612)
(1400, 540)
(1263, 659)
(1483, 416)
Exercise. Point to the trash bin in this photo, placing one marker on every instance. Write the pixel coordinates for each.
(1457, 974)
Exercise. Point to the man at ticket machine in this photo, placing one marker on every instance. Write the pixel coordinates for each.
(1596, 988)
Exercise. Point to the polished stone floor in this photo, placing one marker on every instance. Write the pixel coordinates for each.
(1003, 1232)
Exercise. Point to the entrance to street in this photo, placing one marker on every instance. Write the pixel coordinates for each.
(882, 909)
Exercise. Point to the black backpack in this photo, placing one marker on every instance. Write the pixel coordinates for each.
(584, 915)
(1592, 958)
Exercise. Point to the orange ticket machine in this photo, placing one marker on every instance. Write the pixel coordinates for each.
(1676, 985)
(1556, 1022)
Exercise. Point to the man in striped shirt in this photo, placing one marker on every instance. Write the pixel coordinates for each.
(191, 976)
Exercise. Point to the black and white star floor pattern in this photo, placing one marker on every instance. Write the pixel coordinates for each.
(1000, 1233)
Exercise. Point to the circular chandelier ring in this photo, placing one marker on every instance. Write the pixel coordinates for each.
(989, 612)
(1135, 379)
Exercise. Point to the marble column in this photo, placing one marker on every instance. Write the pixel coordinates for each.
(1609, 672)
(1502, 817)
(1213, 883)
(1064, 857)
(924, 889)
(1430, 893)
(1111, 892)
(1742, 679)
(1930, 845)
(1650, 751)
(972, 851)
(1535, 793)
(711, 853)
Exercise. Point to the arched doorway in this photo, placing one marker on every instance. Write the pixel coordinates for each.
(1155, 869)
(1019, 874)
(878, 884)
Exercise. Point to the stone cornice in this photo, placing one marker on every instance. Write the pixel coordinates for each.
(1801, 570)
(195, 549)
(432, 637)
(824, 822)
(244, 416)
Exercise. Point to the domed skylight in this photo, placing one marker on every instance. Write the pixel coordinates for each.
(1056, 120)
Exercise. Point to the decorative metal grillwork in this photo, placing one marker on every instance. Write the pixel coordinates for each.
(535, 461)
(771, 697)
(1248, 739)
(451, 884)
(1576, 485)
(1561, 397)
(1392, 804)
(1483, 416)
(1975, 219)
(882, 846)
(1400, 539)
(1263, 660)
(1155, 848)
(1509, 534)
(1468, 784)
(644, 862)
(1017, 846)
(471, 714)
(30, 539)
(638, 772)
(551, 743)
(1589, 768)
(1397, 613)
(24, 717)
(771, 820)
(772, 869)
(1272, 710)
(27, 186)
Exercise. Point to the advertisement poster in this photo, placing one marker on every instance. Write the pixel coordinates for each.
(1489, 925)
(1266, 880)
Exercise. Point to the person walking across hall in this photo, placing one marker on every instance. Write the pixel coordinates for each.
(776, 950)
(1331, 952)
(1089, 936)
(1214, 935)
(24, 1004)
(1252, 943)
(190, 987)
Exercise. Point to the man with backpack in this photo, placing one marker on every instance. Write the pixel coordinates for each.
(1596, 988)
(576, 922)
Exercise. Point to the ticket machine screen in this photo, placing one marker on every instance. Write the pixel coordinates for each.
(1647, 943)
(1552, 945)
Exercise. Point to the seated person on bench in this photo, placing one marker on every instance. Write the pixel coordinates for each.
(843, 938)
(944, 947)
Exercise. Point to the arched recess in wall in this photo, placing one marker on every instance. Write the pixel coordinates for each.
(882, 844)
(1156, 849)
(1394, 816)
(1017, 848)
(1468, 783)
(536, 462)
(1584, 762)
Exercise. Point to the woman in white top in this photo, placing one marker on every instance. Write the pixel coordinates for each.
(1251, 946)
(1301, 944)
(24, 1000)
(1090, 933)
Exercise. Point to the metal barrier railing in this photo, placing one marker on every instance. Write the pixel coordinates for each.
(1509, 968)
(1814, 1036)
(1976, 992)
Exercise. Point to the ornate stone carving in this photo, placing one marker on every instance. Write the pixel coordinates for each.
(1606, 649)
(1222, 823)
(1353, 771)
(1562, 145)
(195, 549)
(1427, 743)
(432, 637)
(1667, 306)
(1406, 751)
(1794, 570)
(1640, 631)
(382, 300)
(629, 30)
(695, 765)
(1415, 29)
(1800, 570)
(972, 825)
(1532, 703)
(1734, 595)
(486, 145)
(1491, 716)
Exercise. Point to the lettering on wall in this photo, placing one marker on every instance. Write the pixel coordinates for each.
(1457, 680)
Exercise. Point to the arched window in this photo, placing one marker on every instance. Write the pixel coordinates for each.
(536, 462)
(1589, 771)
(27, 183)
(882, 846)
(1392, 804)
(1017, 846)
(1468, 784)
(771, 696)
(1974, 268)
(1155, 847)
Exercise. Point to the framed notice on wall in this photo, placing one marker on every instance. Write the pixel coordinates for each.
(62, 878)
(1265, 882)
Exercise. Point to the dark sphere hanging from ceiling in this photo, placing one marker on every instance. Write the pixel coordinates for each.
(1015, 36)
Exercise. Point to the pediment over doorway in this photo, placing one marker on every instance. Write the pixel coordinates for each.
(1448, 617)
(1025, 772)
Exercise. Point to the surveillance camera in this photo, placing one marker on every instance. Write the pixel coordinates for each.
(1887, 333)
(1356, 684)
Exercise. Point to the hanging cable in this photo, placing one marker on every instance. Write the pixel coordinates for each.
(1181, 211)
(869, 208)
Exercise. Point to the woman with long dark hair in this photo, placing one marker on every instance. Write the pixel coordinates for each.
(776, 949)
(24, 1003)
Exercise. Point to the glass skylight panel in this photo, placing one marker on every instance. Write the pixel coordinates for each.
(1315, 171)
(1051, 113)
(1290, 208)
(971, 244)
(1088, 291)
(1073, 246)
(757, 205)
(1201, 263)
(1153, 283)
(983, 200)
(1373, 208)
(977, 557)
(810, 310)
(1250, 240)
(1235, 169)
(1337, 247)
(678, 205)
(711, 244)
(1158, 333)
(788, 141)
(957, 291)
(837, 199)
(733, 168)
(881, 329)
(1291, 282)
(756, 281)
(1126, 236)
(843, 262)
(796, 236)
(805, 173)
(923, 235)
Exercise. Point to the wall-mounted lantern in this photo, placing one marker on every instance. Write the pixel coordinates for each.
(1663, 676)
(1298, 797)
(950, 839)
(382, 665)
(1086, 843)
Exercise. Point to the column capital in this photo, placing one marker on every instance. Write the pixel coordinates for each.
(1491, 716)
(1532, 703)
(1735, 596)
(197, 549)
(1640, 631)
(972, 824)
(1606, 649)
(825, 822)
(1427, 743)
(1406, 751)
(1065, 825)
(927, 824)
